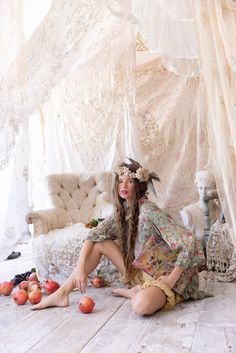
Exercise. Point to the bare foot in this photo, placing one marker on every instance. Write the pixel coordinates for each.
(58, 298)
(127, 293)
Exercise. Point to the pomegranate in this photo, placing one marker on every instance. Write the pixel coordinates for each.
(6, 287)
(24, 285)
(35, 288)
(20, 297)
(86, 305)
(98, 282)
(50, 286)
(33, 283)
(35, 296)
(33, 277)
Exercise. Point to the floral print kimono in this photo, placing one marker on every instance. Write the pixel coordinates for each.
(163, 244)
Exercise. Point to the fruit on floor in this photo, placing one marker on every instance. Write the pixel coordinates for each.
(33, 277)
(86, 305)
(20, 297)
(6, 287)
(35, 296)
(50, 286)
(24, 285)
(33, 283)
(98, 282)
(35, 288)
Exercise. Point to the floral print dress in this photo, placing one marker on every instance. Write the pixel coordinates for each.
(174, 240)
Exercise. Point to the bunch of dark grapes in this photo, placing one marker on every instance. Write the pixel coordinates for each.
(21, 277)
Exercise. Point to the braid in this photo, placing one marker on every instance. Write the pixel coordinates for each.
(127, 230)
(127, 236)
(132, 235)
(120, 227)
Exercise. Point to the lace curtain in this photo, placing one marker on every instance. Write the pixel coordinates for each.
(217, 19)
(46, 60)
(166, 28)
(173, 129)
(95, 108)
(61, 65)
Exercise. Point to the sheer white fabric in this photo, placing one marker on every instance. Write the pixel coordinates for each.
(80, 72)
(173, 131)
(167, 28)
(84, 29)
(85, 88)
(63, 250)
(13, 196)
(218, 69)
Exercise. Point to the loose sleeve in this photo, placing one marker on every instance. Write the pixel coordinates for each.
(104, 231)
(183, 242)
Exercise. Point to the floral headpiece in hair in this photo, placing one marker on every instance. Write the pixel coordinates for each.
(141, 174)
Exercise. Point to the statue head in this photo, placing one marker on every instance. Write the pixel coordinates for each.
(206, 184)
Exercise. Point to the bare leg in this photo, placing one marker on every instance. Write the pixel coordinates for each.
(144, 301)
(127, 293)
(61, 296)
(148, 300)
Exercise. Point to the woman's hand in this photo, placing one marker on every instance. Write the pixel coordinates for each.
(171, 279)
(80, 280)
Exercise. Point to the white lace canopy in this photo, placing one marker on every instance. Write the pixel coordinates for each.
(73, 74)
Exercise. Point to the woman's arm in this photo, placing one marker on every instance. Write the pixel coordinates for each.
(171, 279)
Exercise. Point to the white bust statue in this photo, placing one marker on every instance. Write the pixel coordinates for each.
(193, 215)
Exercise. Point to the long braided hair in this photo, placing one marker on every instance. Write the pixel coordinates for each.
(127, 229)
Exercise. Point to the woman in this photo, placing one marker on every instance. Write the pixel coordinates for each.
(124, 238)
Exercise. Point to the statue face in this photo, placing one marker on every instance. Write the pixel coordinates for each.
(205, 187)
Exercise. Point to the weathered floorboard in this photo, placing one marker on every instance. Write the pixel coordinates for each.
(207, 325)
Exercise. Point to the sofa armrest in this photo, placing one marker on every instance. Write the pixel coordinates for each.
(46, 220)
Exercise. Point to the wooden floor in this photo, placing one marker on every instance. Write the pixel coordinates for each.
(205, 326)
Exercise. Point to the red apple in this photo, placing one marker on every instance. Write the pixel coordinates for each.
(24, 285)
(86, 305)
(35, 296)
(20, 297)
(50, 286)
(33, 277)
(98, 282)
(6, 288)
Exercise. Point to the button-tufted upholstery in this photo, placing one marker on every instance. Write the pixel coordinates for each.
(83, 197)
(59, 232)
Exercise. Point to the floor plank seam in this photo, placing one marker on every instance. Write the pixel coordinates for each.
(2, 334)
(140, 340)
(101, 327)
(45, 337)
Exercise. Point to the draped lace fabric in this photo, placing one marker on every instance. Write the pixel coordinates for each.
(166, 28)
(63, 247)
(98, 98)
(78, 68)
(221, 261)
(170, 120)
(13, 196)
(84, 30)
(219, 248)
(217, 19)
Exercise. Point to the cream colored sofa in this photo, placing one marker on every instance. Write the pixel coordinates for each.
(59, 232)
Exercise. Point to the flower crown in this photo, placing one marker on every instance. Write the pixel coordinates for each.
(141, 173)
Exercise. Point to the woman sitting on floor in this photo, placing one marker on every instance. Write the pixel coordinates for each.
(156, 257)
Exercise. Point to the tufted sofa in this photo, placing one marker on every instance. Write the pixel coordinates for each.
(59, 232)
